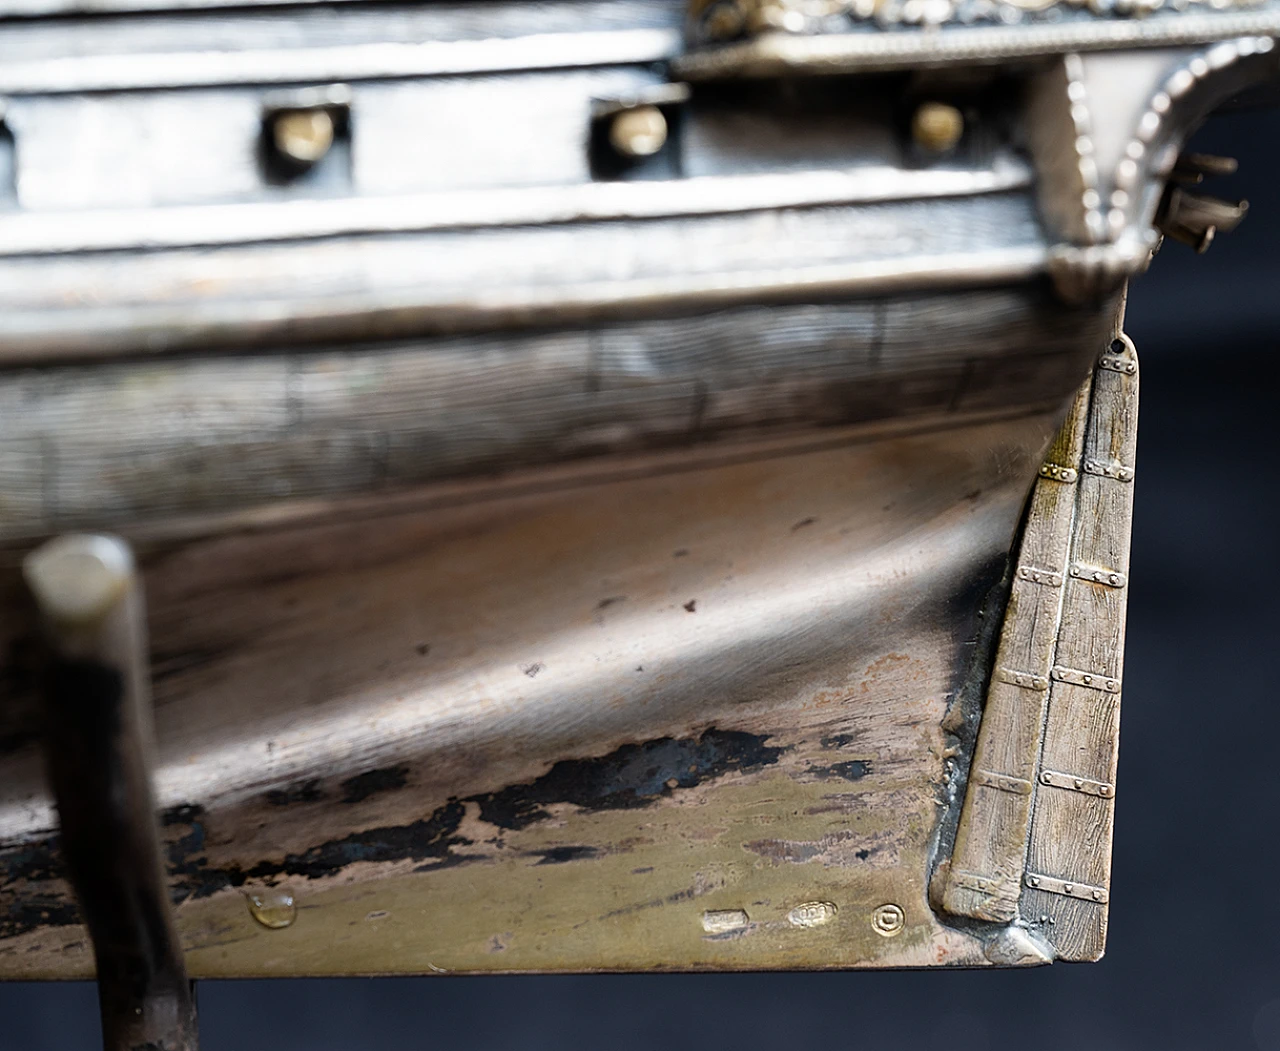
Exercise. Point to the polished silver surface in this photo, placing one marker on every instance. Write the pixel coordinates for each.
(94, 305)
(51, 233)
(144, 441)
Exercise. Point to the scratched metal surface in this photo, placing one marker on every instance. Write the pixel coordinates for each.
(568, 729)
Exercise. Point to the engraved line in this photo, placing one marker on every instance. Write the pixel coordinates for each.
(1055, 472)
(1108, 469)
(1037, 575)
(1090, 679)
(1077, 784)
(1003, 782)
(1026, 679)
(1098, 575)
(1068, 888)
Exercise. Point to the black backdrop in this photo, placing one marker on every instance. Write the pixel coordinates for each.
(1192, 959)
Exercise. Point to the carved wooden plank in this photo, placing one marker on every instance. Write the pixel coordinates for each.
(1034, 838)
(1069, 859)
(990, 848)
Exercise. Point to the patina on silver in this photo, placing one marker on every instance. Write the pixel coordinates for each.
(578, 477)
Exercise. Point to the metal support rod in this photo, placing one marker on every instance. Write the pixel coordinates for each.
(98, 744)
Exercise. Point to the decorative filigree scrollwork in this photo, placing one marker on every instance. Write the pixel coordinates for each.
(721, 21)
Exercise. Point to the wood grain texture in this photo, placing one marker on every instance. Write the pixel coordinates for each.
(1034, 841)
(991, 841)
(1071, 829)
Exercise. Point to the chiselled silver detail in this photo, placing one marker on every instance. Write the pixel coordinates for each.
(1068, 888)
(1141, 165)
(1086, 165)
(1108, 469)
(1092, 680)
(717, 21)
(780, 53)
(982, 884)
(1057, 473)
(1018, 786)
(1098, 575)
(1081, 273)
(1027, 680)
(1117, 363)
(1037, 575)
(1077, 784)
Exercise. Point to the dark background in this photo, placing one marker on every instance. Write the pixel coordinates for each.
(1195, 923)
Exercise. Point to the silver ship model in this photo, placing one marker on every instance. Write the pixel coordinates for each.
(615, 485)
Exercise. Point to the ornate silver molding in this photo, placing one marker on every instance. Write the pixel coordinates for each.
(721, 21)
(1105, 131)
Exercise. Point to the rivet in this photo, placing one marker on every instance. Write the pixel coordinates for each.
(937, 127)
(1068, 887)
(1079, 783)
(302, 136)
(1047, 778)
(639, 132)
(1097, 895)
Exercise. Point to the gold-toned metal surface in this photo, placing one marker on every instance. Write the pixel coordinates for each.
(638, 132)
(302, 136)
(937, 126)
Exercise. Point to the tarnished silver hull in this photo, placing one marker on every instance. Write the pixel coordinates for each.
(562, 556)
